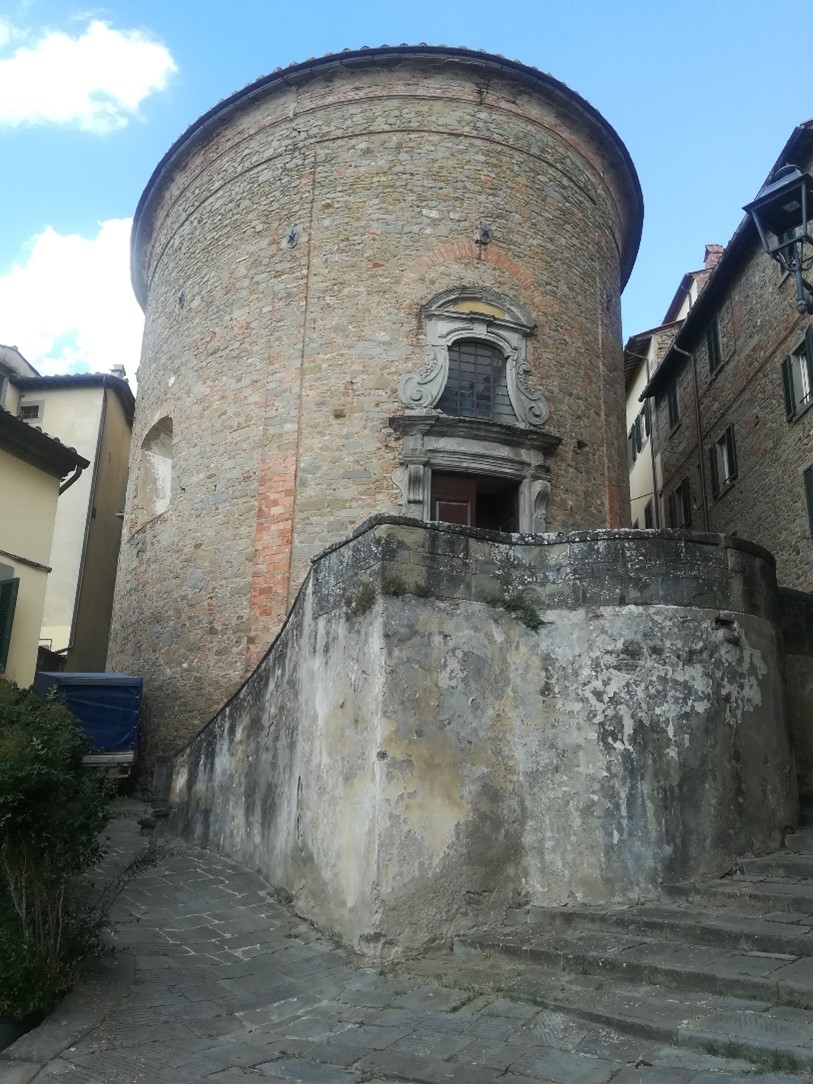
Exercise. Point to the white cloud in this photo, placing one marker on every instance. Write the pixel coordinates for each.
(95, 82)
(70, 307)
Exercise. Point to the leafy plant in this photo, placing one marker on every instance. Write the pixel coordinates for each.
(52, 811)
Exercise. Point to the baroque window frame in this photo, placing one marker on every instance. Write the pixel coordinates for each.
(465, 313)
(435, 441)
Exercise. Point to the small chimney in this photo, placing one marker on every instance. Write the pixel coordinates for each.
(119, 371)
(712, 256)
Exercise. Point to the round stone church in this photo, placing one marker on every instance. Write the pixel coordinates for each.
(382, 281)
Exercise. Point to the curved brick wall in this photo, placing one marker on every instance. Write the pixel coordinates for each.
(277, 355)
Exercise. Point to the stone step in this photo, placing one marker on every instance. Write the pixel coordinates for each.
(766, 897)
(724, 966)
(777, 1038)
(777, 978)
(784, 864)
(679, 922)
(800, 840)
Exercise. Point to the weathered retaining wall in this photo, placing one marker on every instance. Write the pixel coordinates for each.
(796, 619)
(451, 725)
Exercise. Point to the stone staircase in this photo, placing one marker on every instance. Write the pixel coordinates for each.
(724, 966)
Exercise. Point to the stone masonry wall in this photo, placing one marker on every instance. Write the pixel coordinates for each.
(451, 726)
(758, 326)
(277, 354)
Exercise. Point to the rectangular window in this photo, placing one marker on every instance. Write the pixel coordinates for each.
(807, 478)
(713, 344)
(797, 377)
(723, 462)
(649, 518)
(646, 415)
(680, 505)
(672, 404)
(30, 412)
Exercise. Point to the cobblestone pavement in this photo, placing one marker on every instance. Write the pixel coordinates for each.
(229, 986)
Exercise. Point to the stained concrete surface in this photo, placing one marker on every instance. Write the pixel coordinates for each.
(455, 724)
(218, 981)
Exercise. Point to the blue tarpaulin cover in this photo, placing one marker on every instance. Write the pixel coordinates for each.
(108, 705)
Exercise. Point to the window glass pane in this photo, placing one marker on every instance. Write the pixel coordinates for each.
(801, 379)
(476, 386)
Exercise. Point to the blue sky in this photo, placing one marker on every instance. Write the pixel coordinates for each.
(92, 97)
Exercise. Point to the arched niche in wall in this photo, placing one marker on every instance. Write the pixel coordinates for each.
(154, 489)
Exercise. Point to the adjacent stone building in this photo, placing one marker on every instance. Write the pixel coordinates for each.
(733, 431)
(383, 281)
(643, 353)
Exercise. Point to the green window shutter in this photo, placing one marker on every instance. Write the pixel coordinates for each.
(731, 448)
(715, 482)
(8, 603)
(809, 353)
(807, 476)
(787, 385)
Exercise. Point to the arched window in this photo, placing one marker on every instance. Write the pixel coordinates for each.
(476, 361)
(476, 385)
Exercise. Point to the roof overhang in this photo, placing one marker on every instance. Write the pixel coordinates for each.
(30, 444)
(635, 346)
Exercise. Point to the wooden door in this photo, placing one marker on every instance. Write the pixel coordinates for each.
(454, 499)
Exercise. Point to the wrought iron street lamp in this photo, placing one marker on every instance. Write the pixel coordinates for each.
(781, 213)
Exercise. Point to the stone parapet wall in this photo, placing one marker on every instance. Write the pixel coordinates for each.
(451, 726)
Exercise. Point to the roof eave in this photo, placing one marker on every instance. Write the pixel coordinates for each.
(83, 380)
(30, 444)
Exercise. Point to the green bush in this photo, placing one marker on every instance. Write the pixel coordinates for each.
(52, 811)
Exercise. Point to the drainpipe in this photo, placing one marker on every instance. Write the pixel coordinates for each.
(73, 478)
(703, 496)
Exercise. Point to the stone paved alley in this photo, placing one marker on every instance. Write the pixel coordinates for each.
(218, 981)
